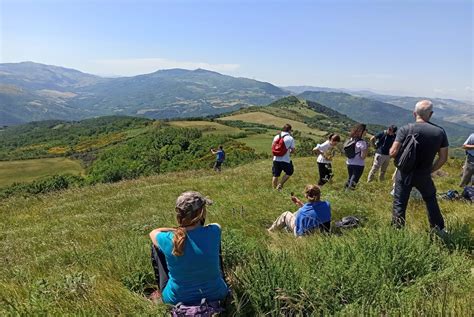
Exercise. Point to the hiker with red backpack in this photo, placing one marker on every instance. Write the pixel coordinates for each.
(186, 259)
(355, 149)
(414, 150)
(283, 144)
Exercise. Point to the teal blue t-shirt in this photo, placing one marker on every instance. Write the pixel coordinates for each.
(196, 274)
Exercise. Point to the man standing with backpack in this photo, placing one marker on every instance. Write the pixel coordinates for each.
(383, 142)
(415, 148)
(283, 144)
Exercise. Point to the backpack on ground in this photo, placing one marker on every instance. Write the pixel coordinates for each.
(450, 195)
(348, 222)
(468, 193)
(350, 147)
(279, 146)
(406, 158)
(205, 309)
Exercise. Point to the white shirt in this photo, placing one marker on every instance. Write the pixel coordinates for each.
(323, 148)
(289, 143)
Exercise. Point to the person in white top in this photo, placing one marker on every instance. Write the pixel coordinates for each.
(324, 160)
(282, 162)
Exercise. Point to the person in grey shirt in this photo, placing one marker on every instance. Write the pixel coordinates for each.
(432, 140)
(468, 169)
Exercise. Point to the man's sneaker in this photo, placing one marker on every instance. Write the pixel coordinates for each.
(279, 187)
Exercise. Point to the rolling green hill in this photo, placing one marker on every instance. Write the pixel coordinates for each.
(86, 251)
(113, 148)
(378, 112)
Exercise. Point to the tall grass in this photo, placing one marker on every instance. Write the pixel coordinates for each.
(85, 251)
(385, 270)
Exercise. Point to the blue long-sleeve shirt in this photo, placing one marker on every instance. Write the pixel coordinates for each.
(311, 216)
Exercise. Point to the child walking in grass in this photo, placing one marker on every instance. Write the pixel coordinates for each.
(324, 160)
(310, 216)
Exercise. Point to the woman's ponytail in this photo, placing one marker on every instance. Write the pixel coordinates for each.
(178, 241)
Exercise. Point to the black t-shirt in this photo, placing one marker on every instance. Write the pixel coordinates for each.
(384, 142)
(430, 139)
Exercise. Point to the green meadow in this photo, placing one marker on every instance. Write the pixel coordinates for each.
(86, 251)
(207, 127)
(29, 170)
(270, 119)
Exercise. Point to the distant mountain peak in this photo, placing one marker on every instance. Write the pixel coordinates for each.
(205, 71)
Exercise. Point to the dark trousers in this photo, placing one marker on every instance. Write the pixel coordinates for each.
(355, 172)
(160, 267)
(423, 182)
(217, 165)
(325, 173)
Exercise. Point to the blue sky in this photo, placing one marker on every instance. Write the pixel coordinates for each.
(403, 47)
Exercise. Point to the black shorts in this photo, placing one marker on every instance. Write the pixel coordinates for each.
(282, 166)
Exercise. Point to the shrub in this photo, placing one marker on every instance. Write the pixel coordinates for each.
(43, 186)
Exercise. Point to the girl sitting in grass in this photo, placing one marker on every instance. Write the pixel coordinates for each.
(186, 259)
(310, 216)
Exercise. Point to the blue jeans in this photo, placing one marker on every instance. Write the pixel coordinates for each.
(423, 182)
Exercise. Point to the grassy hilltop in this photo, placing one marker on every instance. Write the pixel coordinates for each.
(86, 251)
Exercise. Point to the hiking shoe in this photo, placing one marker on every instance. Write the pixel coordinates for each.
(155, 297)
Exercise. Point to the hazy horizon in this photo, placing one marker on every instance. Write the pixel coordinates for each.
(417, 48)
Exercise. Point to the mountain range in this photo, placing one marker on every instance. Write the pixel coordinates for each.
(456, 111)
(33, 92)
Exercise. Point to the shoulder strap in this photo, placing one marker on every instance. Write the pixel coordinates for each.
(411, 126)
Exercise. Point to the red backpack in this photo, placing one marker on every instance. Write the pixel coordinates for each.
(279, 147)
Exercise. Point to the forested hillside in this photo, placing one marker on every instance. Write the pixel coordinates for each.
(378, 112)
(111, 149)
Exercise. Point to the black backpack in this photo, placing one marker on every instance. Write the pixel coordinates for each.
(350, 147)
(468, 193)
(348, 222)
(406, 158)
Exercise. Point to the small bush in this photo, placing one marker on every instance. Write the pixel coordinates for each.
(43, 186)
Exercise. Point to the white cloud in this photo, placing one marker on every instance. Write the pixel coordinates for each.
(137, 66)
(469, 89)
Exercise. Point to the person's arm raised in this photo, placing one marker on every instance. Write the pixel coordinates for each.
(297, 201)
(317, 151)
(154, 232)
(372, 140)
(441, 159)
